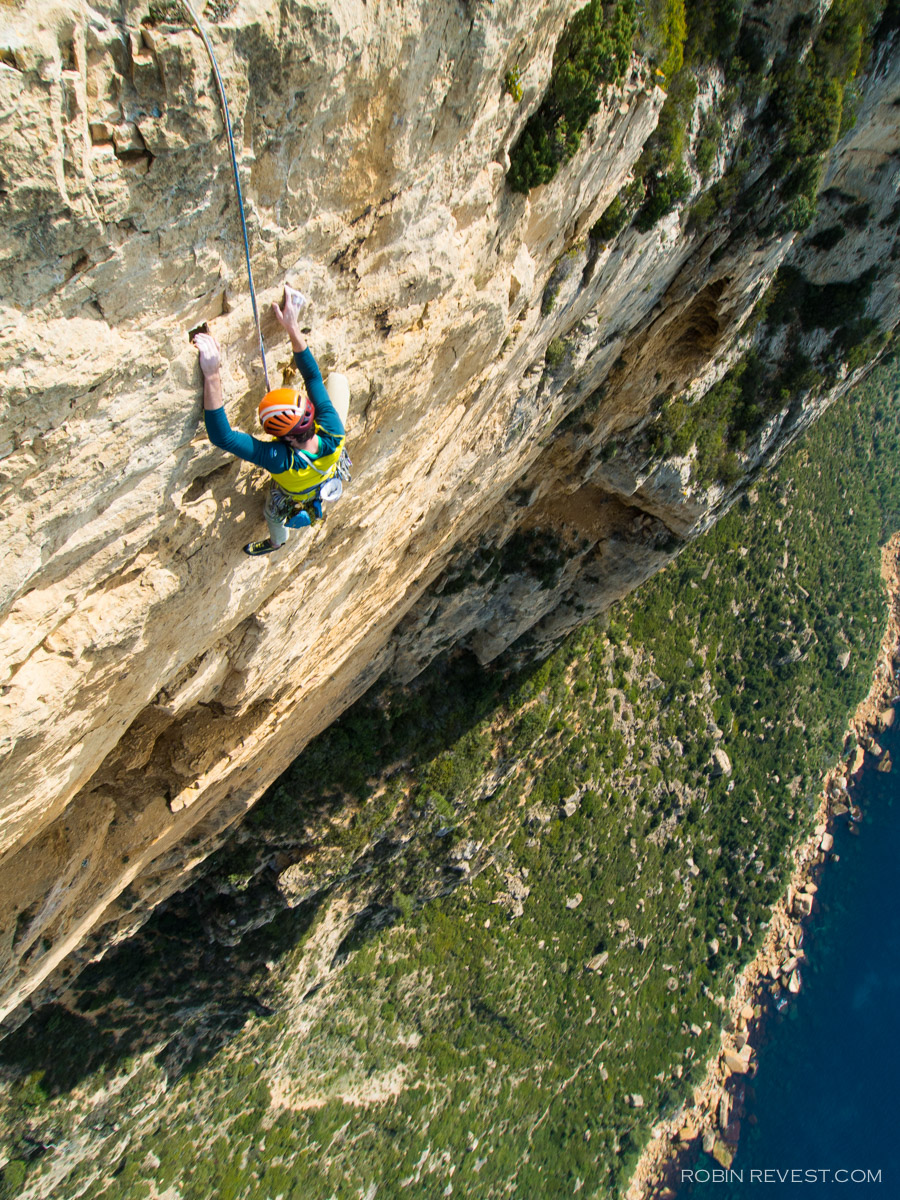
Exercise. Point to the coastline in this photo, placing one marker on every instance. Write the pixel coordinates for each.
(712, 1119)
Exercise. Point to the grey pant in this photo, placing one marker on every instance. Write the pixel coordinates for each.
(280, 507)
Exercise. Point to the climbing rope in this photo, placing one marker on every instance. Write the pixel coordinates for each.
(237, 183)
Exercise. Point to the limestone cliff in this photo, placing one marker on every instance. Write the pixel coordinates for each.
(508, 365)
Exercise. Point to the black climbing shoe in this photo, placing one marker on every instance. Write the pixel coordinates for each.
(263, 547)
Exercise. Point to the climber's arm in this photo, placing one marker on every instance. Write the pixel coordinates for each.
(210, 361)
(326, 413)
(271, 456)
(288, 317)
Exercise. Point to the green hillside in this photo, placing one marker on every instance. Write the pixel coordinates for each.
(490, 834)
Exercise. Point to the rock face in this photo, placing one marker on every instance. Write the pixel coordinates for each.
(155, 679)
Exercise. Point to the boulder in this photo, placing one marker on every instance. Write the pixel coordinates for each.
(794, 982)
(636, 1100)
(803, 904)
(598, 962)
(735, 1064)
(732, 1132)
(885, 764)
(721, 763)
(569, 807)
(886, 718)
(723, 1155)
(826, 843)
(574, 901)
(844, 660)
(517, 888)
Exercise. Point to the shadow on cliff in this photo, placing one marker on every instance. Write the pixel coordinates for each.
(187, 982)
(168, 988)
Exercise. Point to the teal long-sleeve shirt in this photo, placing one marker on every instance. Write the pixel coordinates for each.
(277, 456)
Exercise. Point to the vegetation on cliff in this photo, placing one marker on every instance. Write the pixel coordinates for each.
(791, 105)
(721, 423)
(594, 50)
(493, 835)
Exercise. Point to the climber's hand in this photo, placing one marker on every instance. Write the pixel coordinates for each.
(210, 354)
(288, 315)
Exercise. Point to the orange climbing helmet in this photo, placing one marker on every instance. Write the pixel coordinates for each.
(283, 413)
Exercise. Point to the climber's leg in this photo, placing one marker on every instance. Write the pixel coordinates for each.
(277, 511)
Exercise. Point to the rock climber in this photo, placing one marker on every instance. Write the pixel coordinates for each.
(309, 431)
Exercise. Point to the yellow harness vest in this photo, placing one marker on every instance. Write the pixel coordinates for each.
(299, 481)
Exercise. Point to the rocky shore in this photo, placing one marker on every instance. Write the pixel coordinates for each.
(713, 1119)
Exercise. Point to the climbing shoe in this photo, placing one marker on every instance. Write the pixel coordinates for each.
(263, 547)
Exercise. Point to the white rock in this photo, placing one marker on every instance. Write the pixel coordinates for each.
(721, 762)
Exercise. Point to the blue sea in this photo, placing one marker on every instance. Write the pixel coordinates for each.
(825, 1095)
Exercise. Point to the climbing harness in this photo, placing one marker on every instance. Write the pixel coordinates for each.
(223, 103)
(300, 509)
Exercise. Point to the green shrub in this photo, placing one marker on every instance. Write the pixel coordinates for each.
(666, 27)
(660, 168)
(611, 223)
(708, 144)
(555, 353)
(619, 212)
(512, 83)
(13, 1179)
(665, 192)
(167, 12)
(807, 105)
